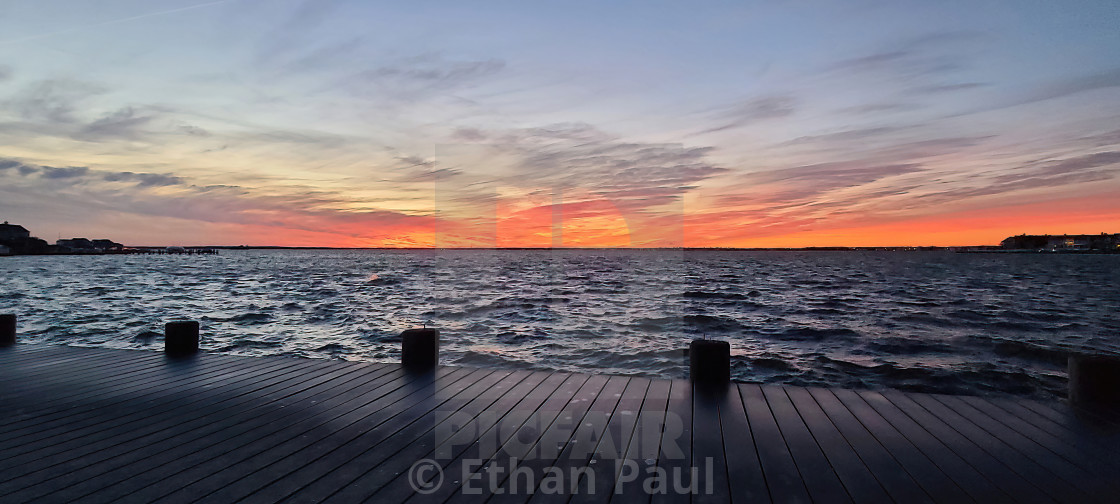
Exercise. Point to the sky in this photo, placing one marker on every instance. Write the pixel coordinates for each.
(779, 123)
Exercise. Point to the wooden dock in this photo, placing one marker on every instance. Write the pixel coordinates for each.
(99, 425)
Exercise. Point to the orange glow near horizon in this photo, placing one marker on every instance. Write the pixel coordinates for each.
(595, 222)
(963, 228)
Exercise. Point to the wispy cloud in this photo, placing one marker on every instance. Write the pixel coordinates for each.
(164, 195)
(125, 123)
(1097, 167)
(53, 101)
(923, 56)
(755, 110)
(419, 76)
(1103, 80)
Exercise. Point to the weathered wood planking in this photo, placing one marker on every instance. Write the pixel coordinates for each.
(99, 425)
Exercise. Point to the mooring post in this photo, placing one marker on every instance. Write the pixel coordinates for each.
(709, 362)
(180, 338)
(7, 329)
(1094, 380)
(420, 349)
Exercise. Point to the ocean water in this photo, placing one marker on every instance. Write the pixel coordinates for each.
(924, 321)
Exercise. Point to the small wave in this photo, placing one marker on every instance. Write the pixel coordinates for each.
(485, 359)
(814, 334)
(927, 304)
(711, 323)
(250, 318)
(1022, 349)
(970, 315)
(334, 348)
(713, 295)
(773, 364)
(146, 337)
(385, 337)
(244, 344)
(376, 279)
(908, 346)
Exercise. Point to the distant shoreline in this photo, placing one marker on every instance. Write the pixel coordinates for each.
(984, 249)
(977, 249)
(688, 249)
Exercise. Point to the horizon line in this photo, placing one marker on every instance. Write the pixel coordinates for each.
(316, 247)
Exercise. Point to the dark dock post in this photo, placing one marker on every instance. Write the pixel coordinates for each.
(7, 329)
(420, 349)
(709, 362)
(1094, 380)
(180, 338)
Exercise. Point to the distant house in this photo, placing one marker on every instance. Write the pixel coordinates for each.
(75, 245)
(5, 250)
(107, 245)
(18, 240)
(13, 232)
(85, 245)
(1103, 241)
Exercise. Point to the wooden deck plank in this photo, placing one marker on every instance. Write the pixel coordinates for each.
(953, 465)
(744, 469)
(99, 416)
(611, 450)
(1037, 475)
(492, 431)
(645, 441)
(853, 473)
(19, 352)
(411, 402)
(708, 453)
(218, 433)
(119, 444)
(87, 392)
(31, 361)
(407, 430)
(80, 374)
(89, 374)
(43, 362)
(995, 470)
(102, 425)
(1060, 459)
(83, 391)
(675, 456)
(514, 427)
(551, 437)
(589, 418)
(385, 398)
(1097, 448)
(1070, 419)
(397, 456)
(581, 451)
(73, 423)
(819, 475)
(891, 475)
(929, 477)
(1062, 412)
(786, 484)
(325, 464)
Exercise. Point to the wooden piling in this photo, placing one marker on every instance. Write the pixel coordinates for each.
(420, 349)
(180, 338)
(709, 362)
(1094, 380)
(7, 329)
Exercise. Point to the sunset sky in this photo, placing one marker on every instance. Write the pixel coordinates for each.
(736, 124)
